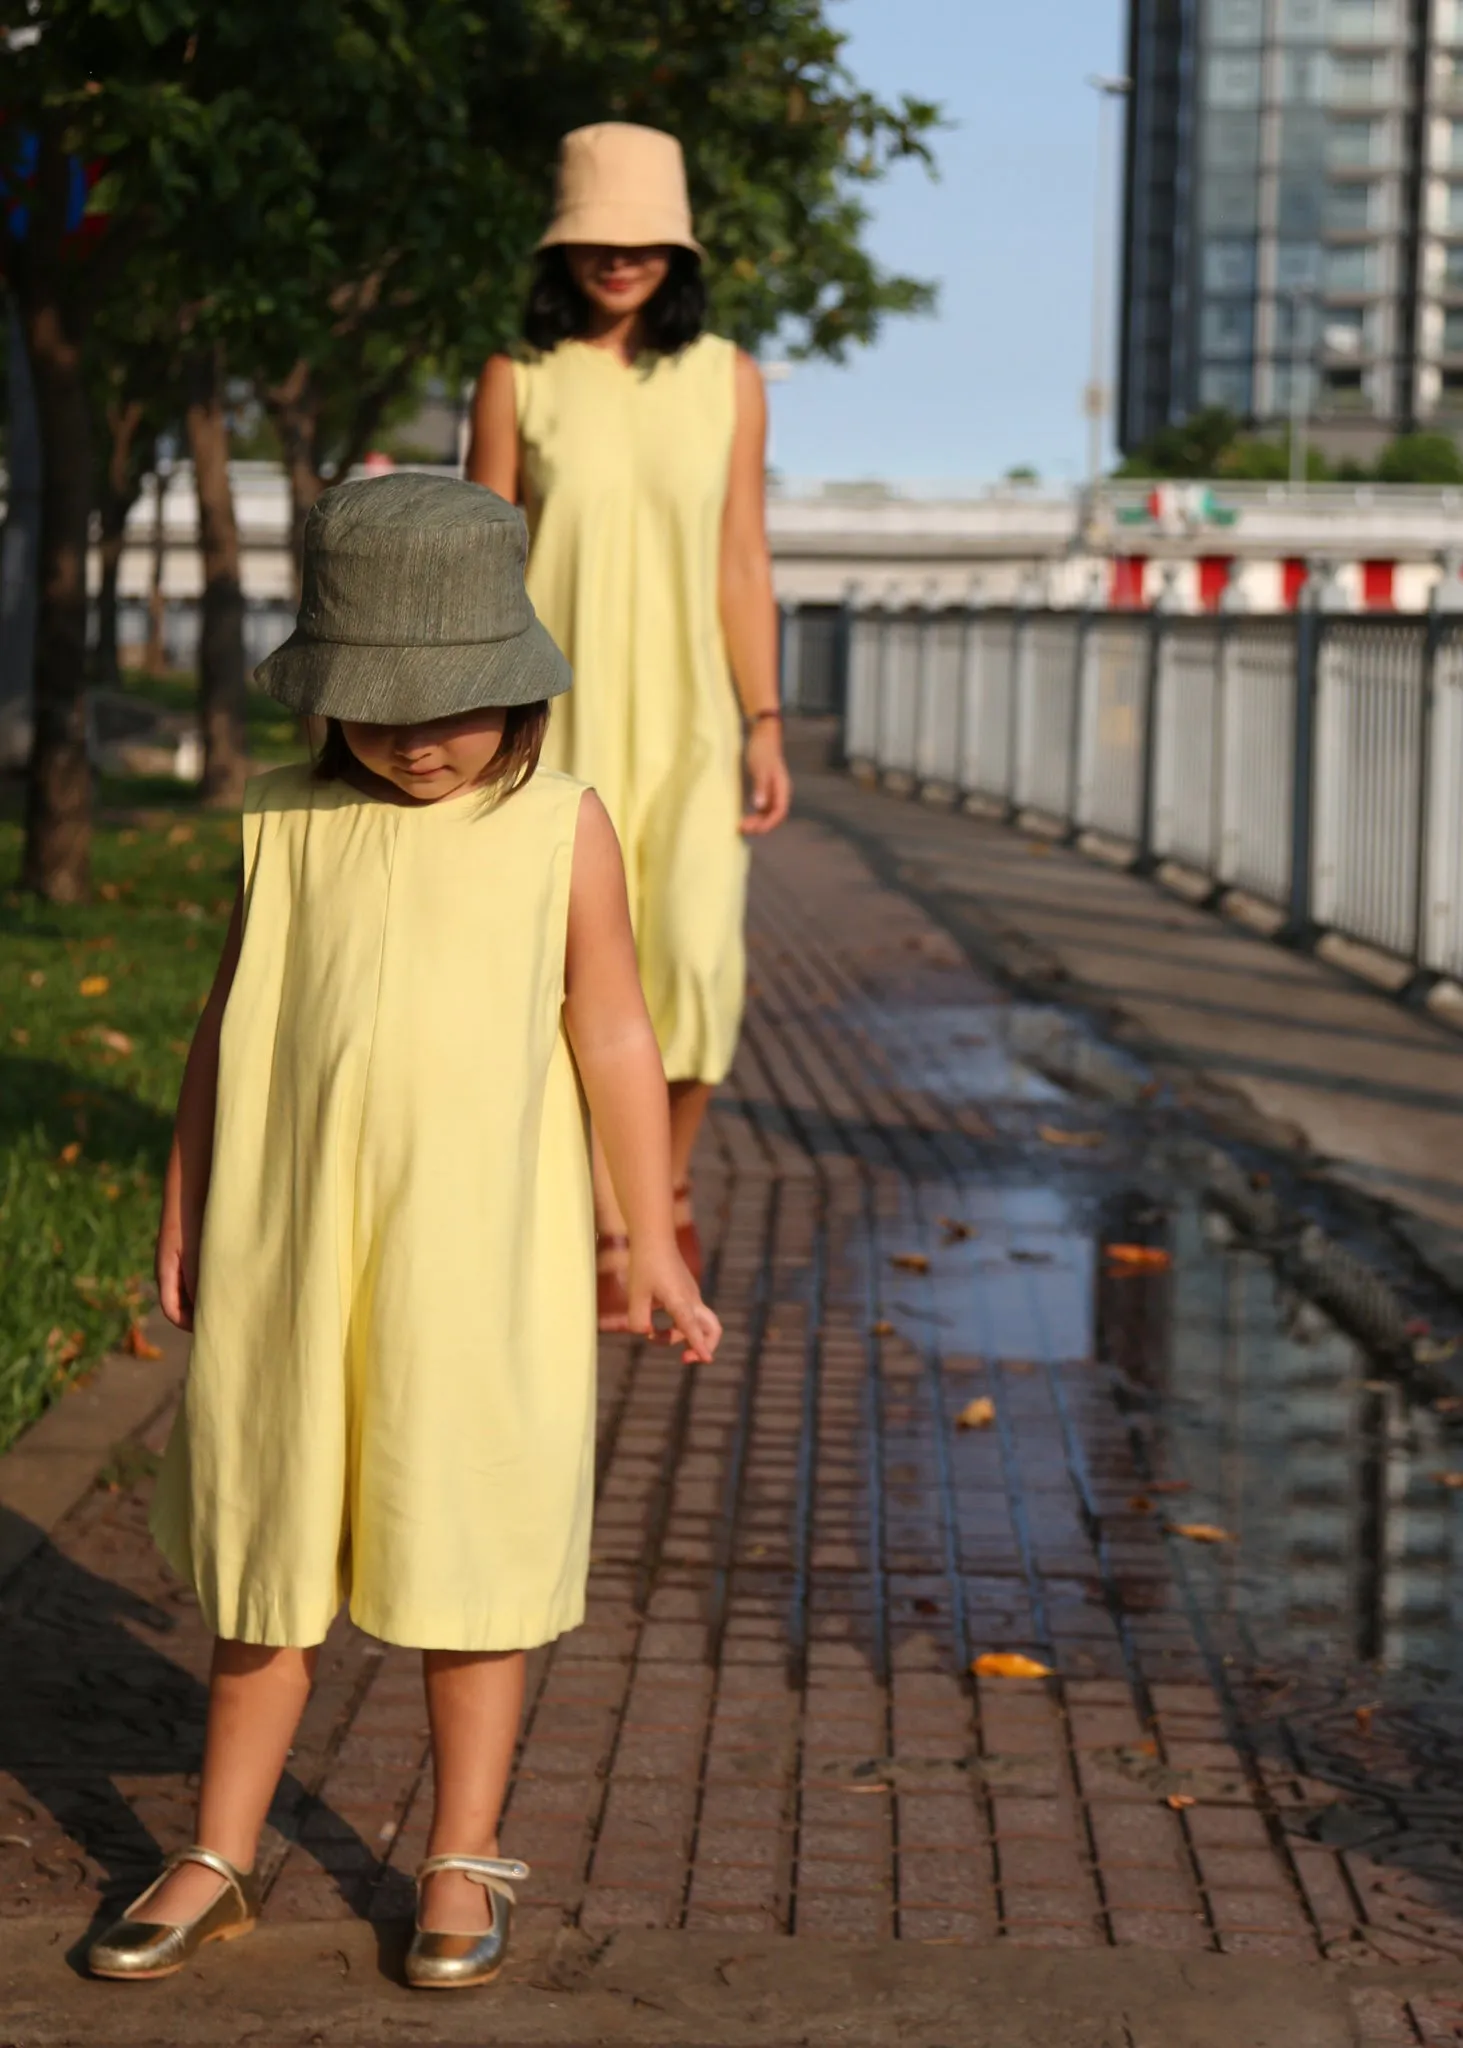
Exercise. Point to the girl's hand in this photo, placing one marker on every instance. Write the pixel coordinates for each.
(661, 1279)
(175, 1267)
(768, 776)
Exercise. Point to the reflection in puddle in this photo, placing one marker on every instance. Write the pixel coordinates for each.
(958, 1052)
(1347, 1546)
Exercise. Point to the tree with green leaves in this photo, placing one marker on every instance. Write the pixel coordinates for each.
(326, 196)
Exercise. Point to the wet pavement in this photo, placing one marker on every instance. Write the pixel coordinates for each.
(996, 1381)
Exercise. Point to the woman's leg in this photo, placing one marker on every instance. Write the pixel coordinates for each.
(689, 1102)
(256, 1696)
(474, 1703)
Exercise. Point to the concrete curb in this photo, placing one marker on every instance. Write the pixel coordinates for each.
(56, 1462)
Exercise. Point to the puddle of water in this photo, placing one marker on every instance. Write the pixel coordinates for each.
(1348, 1550)
(958, 1052)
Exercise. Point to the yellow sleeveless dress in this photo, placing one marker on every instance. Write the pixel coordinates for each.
(391, 1393)
(624, 484)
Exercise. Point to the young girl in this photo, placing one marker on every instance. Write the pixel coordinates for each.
(378, 1218)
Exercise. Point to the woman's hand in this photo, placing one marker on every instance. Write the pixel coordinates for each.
(175, 1267)
(771, 785)
(660, 1278)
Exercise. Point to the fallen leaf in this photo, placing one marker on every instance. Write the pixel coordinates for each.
(19, 1035)
(1141, 1258)
(115, 1041)
(137, 1345)
(955, 1231)
(36, 978)
(65, 1350)
(108, 891)
(881, 1329)
(1453, 1479)
(93, 985)
(180, 835)
(1049, 1134)
(1364, 1719)
(70, 1153)
(910, 1262)
(924, 1605)
(1141, 1504)
(111, 1190)
(1009, 1664)
(1202, 1532)
(1179, 1800)
(977, 1414)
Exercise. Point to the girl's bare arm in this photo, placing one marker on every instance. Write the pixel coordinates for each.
(190, 1163)
(748, 607)
(492, 451)
(619, 1063)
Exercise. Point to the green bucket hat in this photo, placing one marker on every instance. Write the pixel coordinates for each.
(412, 607)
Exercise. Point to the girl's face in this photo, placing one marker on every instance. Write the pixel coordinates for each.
(617, 282)
(432, 761)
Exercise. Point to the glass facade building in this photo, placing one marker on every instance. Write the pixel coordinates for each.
(1294, 214)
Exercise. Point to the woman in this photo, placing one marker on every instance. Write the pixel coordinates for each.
(636, 442)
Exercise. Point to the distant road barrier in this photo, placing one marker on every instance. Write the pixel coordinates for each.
(1309, 760)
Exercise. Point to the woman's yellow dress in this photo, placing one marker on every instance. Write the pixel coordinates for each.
(625, 473)
(391, 1394)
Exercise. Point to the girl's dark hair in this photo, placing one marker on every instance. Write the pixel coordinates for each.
(671, 319)
(524, 727)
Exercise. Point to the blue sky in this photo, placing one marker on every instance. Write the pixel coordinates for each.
(995, 377)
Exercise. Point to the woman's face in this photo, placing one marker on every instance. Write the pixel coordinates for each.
(617, 281)
(428, 762)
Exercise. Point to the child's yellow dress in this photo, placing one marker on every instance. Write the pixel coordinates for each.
(625, 471)
(391, 1395)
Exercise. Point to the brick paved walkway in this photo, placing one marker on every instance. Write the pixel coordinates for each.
(767, 1723)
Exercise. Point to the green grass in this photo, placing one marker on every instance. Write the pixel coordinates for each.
(88, 1080)
(270, 733)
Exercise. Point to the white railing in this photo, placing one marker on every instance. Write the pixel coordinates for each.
(1313, 761)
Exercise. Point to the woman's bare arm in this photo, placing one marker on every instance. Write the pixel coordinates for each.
(492, 451)
(190, 1162)
(619, 1063)
(748, 607)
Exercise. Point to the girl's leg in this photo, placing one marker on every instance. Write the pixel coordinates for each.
(474, 1702)
(255, 1698)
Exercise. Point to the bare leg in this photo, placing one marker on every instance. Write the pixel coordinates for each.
(689, 1103)
(256, 1696)
(474, 1703)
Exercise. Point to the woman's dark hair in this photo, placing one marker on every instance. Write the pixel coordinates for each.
(524, 727)
(670, 319)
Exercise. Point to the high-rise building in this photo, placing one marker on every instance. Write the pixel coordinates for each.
(1293, 227)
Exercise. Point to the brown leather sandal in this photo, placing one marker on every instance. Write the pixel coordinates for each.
(612, 1300)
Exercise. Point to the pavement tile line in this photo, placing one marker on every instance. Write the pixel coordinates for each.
(768, 1724)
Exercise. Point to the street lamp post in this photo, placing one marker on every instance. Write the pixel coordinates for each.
(1095, 403)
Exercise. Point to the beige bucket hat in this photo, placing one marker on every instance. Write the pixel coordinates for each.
(623, 187)
(412, 607)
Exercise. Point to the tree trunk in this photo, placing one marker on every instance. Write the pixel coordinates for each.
(294, 411)
(57, 860)
(221, 636)
(120, 492)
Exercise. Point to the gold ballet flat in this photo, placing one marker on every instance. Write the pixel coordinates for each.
(455, 1962)
(144, 1949)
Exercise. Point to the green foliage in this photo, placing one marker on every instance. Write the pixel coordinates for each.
(1213, 443)
(98, 1073)
(1420, 459)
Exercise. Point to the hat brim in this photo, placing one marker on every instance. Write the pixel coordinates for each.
(619, 227)
(413, 685)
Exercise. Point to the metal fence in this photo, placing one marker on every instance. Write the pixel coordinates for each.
(1312, 760)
